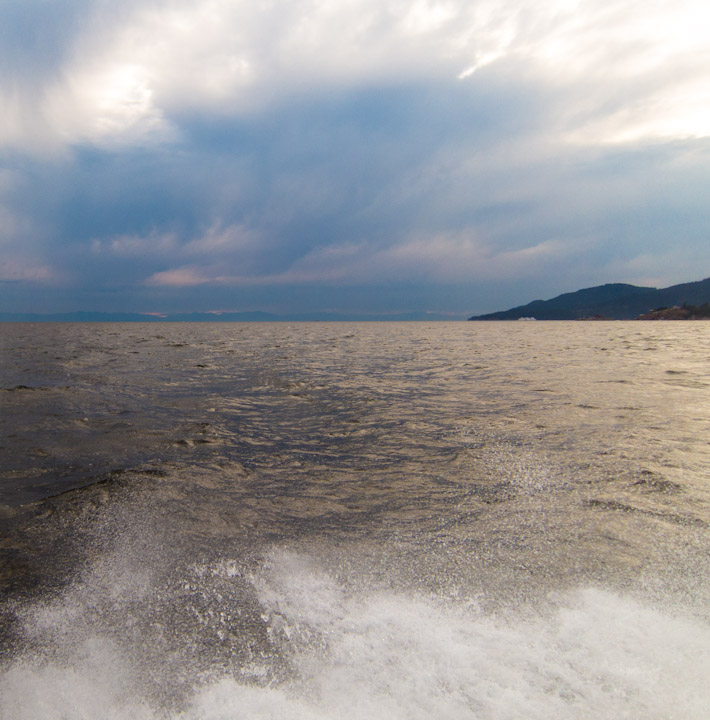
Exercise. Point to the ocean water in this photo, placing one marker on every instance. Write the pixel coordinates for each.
(376, 520)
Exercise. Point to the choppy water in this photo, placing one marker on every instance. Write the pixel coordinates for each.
(465, 520)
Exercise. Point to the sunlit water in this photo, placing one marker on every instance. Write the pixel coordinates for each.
(465, 520)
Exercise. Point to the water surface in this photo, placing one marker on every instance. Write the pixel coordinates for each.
(450, 520)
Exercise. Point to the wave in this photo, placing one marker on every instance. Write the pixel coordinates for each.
(351, 651)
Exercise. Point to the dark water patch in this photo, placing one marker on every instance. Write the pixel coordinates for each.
(34, 388)
(619, 506)
(652, 482)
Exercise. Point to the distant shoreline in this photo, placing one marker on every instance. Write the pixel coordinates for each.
(222, 317)
(617, 301)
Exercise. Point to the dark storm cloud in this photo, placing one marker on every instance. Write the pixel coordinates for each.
(321, 173)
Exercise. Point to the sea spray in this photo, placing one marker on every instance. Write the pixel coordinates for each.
(373, 521)
(370, 653)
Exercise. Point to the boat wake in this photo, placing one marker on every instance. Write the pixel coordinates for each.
(323, 648)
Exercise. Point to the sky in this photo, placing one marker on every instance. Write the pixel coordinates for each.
(369, 156)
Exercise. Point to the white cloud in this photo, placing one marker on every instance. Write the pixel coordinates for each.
(178, 277)
(111, 104)
(129, 71)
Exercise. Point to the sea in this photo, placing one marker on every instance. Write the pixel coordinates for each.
(311, 521)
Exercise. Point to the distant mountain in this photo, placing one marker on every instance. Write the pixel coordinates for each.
(255, 316)
(616, 301)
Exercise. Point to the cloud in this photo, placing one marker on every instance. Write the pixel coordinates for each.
(135, 246)
(21, 259)
(106, 75)
(382, 187)
(231, 241)
(14, 271)
(170, 150)
(178, 277)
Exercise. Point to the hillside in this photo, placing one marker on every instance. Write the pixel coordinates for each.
(616, 301)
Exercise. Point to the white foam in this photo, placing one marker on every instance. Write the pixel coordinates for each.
(94, 684)
(364, 654)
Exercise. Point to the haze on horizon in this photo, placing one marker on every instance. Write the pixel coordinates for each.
(351, 156)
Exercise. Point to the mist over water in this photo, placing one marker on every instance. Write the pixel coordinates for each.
(354, 520)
